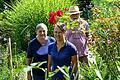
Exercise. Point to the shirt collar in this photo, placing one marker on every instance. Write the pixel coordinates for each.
(65, 44)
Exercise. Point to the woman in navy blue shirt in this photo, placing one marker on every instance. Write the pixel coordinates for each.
(38, 52)
(61, 53)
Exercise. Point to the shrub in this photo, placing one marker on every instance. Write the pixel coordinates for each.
(26, 14)
(105, 30)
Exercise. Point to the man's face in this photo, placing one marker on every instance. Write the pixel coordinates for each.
(42, 33)
(74, 16)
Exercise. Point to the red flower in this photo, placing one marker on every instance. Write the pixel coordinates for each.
(66, 9)
(52, 20)
(52, 14)
(59, 12)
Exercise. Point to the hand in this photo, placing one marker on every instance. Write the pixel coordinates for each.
(29, 77)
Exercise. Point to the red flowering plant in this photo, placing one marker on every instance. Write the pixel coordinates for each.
(52, 19)
(58, 16)
(63, 17)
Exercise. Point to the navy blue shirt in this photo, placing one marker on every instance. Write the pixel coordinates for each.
(63, 57)
(39, 53)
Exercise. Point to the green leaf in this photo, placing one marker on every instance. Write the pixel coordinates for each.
(102, 33)
(51, 74)
(33, 64)
(66, 69)
(118, 68)
(40, 63)
(28, 68)
(68, 26)
(63, 71)
(98, 74)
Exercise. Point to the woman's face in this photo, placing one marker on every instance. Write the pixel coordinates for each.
(42, 33)
(58, 34)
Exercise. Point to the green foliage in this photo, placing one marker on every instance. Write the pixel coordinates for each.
(19, 61)
(18, 64)
(26, 14)
(104, 27)
(105, 31)
(1, 5)
(4, 67)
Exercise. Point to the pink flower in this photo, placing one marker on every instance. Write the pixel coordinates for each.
(59, 12)
(52, 14)
(52, 20)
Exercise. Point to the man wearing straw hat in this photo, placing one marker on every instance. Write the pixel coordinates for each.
(78, 34)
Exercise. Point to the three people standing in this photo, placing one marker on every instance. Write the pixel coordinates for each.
(61, 51)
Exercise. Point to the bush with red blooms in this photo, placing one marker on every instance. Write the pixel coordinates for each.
(55, 14)
(52, 20)
(59, 12)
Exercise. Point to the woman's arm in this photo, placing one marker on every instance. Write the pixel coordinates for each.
(29, 76)
(49, 63)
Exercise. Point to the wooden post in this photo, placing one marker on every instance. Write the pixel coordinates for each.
(10, 59)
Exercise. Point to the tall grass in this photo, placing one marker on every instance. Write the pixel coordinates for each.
(26, 14)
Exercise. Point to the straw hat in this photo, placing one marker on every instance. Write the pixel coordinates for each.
(74, 10)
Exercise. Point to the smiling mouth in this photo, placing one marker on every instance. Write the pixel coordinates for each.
(42, 36)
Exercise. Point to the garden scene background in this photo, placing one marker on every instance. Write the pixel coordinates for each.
(18, 19)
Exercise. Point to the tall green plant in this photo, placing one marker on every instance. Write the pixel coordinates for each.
(26, 14)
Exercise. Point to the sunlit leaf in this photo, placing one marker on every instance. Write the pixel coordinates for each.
(41, 63)
(28, 68)
(68, 26)
(98, 74)
(63, 71)
(118, 68)
(33, 64)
